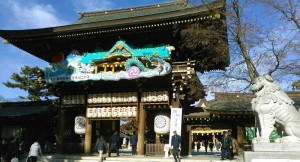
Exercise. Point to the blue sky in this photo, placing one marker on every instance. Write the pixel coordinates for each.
(31, 14)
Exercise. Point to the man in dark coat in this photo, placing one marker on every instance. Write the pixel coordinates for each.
(175, 144)
(100, 147)
(114, 139)
(133, 140)
(226, 146)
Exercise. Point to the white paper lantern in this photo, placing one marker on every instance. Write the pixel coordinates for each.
(154, 96)
(89, 112)
(90, 100)
(165, 96)
(114, 112)
(94, 98)
(129, 111)
(99, 113)
(149, 97)
(144, 98)
(162, 123)
(125, 97)
(115, 98)
(121, 112)
(134, 97)
(81, 99)
(100, 98)
(95, 113)
(118, 111)
(134, 109)
(119, 98)
(108, 97)
(104, 112)
(160, 96)
(130, 97)
(79, 125)
(108, 109)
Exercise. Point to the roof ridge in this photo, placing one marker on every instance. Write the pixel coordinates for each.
(165, 4)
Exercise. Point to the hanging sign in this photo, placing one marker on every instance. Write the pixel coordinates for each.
(176, 120)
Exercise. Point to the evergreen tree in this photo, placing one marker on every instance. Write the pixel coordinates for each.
(31, 80)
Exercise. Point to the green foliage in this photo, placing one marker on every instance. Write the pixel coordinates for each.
(296, 84)
(205, 42)
(195, 90)
(31, 79)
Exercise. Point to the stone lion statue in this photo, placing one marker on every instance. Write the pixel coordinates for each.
(271, 105)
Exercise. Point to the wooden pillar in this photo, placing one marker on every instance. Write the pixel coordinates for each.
(241, 135)
(141, 131)
(157, 139)
(189, 129)
(213, 138)
(88, 137)
(61, 130)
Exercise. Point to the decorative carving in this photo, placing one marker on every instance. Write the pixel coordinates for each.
(271, 105)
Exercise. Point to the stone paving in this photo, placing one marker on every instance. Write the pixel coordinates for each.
(125, 156)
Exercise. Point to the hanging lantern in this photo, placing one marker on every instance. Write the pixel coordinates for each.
(114, 112)
(79, 125)
(162, 123)
(134, 111)
(99, 113)
(89, 112)
(134, 97)
(108, 110)
(129, 111)
(104, 112)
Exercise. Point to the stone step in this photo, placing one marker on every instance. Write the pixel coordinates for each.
(94, 158)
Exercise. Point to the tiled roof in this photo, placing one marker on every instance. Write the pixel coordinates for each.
(88, 17)
(197, 115)
(240, 102)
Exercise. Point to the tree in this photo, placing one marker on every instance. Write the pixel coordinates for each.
(254, 49)
(31, 79)
(289, 11)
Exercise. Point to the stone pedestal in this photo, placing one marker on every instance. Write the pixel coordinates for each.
(273, 152)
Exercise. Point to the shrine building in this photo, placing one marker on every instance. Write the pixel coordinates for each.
(126, 65)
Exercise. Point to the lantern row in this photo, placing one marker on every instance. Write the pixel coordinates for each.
(155, 96)
(73, 99)
(112, 97)
(107, 112)
(129, 97)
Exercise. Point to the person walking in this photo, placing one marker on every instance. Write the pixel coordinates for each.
(34, 152)
(211, 146)
(100, 147)
(114, 139)
(175, 144)
(226, 146)
(133, 140)
(205, 143)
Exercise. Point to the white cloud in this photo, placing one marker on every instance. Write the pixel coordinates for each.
(92, 5)
(32, 15)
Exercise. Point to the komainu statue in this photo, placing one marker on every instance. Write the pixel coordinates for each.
(271, 105)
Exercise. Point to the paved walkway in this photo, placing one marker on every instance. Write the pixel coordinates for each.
(125, 156)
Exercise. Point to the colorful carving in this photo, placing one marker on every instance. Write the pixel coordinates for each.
(121, 62)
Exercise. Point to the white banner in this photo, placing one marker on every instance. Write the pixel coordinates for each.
(176, 120)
